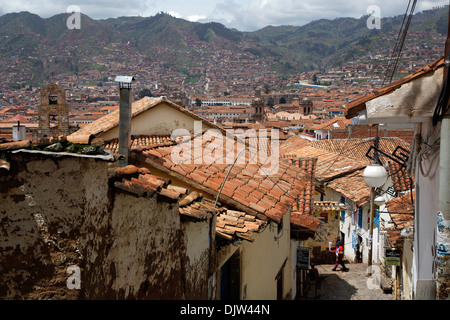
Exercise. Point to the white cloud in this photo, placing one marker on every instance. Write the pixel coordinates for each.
(196, 17)
(174, 14)
(254, 14)
(97, 9)
(245, 15)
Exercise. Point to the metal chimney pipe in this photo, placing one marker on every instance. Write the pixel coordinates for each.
(124, 118)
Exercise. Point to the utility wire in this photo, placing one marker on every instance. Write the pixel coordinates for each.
(396, 53)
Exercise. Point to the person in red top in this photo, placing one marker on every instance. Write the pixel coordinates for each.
(339, 256)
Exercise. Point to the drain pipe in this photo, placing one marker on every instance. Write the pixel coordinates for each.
(124, 118)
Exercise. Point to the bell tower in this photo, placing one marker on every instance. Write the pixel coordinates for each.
(258, 107)
(53, 112)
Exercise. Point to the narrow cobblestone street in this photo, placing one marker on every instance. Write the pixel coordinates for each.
(349, 285)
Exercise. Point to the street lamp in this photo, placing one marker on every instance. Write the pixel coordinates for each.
(375, 176)
(379, 201)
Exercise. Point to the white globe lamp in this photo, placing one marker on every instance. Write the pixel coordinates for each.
(375, 175)
(379, 201)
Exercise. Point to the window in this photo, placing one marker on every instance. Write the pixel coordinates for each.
(360, 216)
(52, 99)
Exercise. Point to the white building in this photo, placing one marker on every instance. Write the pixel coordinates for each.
(411, 102)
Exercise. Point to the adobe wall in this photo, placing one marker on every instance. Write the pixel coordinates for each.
(143, 260)
(62, 212)
(328, 232)
(200, 259)
(52, 211)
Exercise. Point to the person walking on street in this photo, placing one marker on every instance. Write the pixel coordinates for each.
(339, 257)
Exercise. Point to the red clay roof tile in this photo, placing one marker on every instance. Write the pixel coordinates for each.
(401, 211)
(245, 184)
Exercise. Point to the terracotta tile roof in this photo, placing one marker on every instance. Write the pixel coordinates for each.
(232, 225)
(305, 202)
(277, 124)
(16, 118)
(196, 207)
(400, 178)
(303, 226)
(402, 215)
(352, 186)
(247, 188)
(293, 142)
(111, 120)
(354, 107)
(358, 148)
(10, 146)
(337, 123)
(140, 142)
(327, 206)
(141, 183)
(329, 165)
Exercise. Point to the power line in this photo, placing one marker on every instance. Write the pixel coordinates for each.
(396, 53)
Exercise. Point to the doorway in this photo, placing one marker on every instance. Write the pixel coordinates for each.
(279, 280)
(230, 278)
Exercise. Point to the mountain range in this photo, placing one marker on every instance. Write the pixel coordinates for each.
(47, 46)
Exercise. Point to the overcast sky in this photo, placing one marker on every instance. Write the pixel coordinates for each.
(244, 15)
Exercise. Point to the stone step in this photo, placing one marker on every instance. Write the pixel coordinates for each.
(385, 284)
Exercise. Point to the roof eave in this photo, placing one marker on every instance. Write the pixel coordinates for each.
(355, 107)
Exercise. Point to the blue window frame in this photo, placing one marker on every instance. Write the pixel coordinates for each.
(360, 216)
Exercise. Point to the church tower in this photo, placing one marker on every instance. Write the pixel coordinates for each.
(53, 112)
(258, 107)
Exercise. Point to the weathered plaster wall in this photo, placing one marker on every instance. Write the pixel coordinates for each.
(270, 249)
(200, 258)
(144, 258)
(50, 210)
(160, 120)
(425, 219)
(413, 101)
(407, 257)
(61, 212)
(328, 232)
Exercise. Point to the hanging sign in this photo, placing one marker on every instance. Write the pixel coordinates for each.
(392, 257)
(302, 258)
